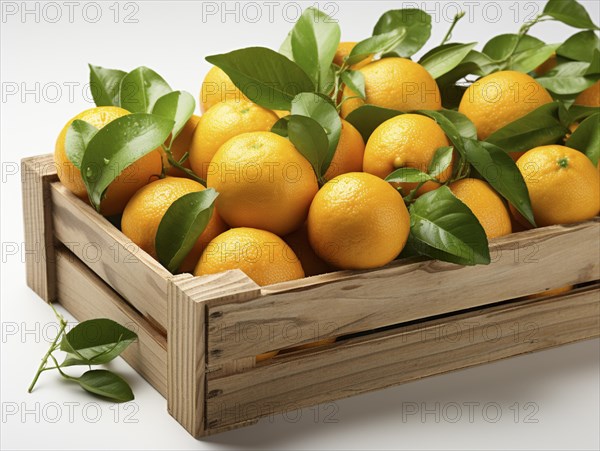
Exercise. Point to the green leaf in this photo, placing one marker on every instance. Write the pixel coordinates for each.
(379, 43)
(445, 58)
(355, 80)
(104, 85)
(410, 175)
(95, 341)
(576, 114)
(79, 134)
(444, 228)
(441, 160)
(314, 41)
(264, 76)
(594, 68)
(571, 13)
(462, 123)
(367, 118)
(106, 384)
(281, 126)
(538, 128)
(580, 46)
(182, 224)
(321, 110)
(529, 59)
(286, 47)
(141, 88)
(446, 121)
(116, 146)
(417, 24)
(177, 106)
(586, 138)
(567, 78)
(308, 136)
(500, 47)
(500, 171)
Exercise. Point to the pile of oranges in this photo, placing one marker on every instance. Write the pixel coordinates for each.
(275, 221)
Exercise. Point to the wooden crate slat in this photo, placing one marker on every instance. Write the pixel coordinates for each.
(36, 175)
(306, 310)
(111, 255)
(397, 356)
(86, 296)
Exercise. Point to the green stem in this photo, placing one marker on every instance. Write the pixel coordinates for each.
(411, 196)
(459, 16)
(53, 346)
(522, 32)
(63, 374)
(173, 162)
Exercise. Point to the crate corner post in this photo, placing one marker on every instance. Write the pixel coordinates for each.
(36, 175)
(188, 298)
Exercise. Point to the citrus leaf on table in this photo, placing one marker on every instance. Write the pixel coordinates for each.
(586, 138)
(367, 118)
(95, 342)
(538, 128)
(441, 60)
(321, 110)
(177, 106)
(266, 77)
(441, 160)
(106, 384)
(182, 224)
(78, 136)
(309, 137)
(580, 46)
(355, 80)
(501, 172)
(417, 24)
(116, 146)
(571, 13)
(443, 227)
(568, 78)
(314, 41)
(104, 85)
(379, 43)
(410, 175)
(140, 89)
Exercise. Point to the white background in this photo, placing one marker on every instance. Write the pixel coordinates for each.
(548, 400)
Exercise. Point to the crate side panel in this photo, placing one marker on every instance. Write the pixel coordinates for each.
(86, 296)
(111, 255)
(390, 358)
(36, 175)
(527, 263)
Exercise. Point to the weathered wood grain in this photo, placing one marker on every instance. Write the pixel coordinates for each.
(36, 175)
(86, 296)
(109, 253)
(311, 309)
(389, 358)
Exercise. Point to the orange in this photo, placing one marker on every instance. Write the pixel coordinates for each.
(487, 206)
(358, 221)
(396, 83)
(263, 181)
(221, 122)
(408, 140)
(551, 292)
(349, 152)
(343, 50)
(546, 66)
(147, 207)
(217, 87)
(261, 255)
(590, 97)
(126, 184)
(563, 184)
(311, 263)
(501, 98)
(182, 144)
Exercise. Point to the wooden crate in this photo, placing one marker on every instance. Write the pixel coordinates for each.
(199, 336)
